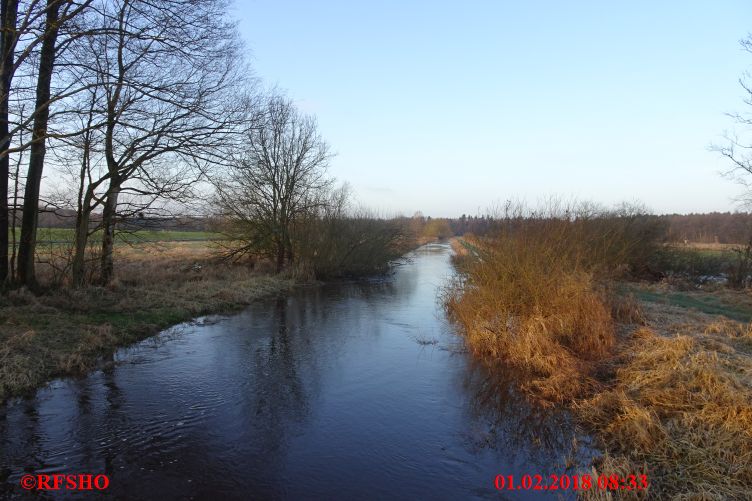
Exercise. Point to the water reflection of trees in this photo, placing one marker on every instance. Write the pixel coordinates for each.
(278, 396)
(19, 443)
(537, 434)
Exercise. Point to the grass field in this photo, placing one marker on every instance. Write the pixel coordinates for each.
(717, 303)
(65, 235)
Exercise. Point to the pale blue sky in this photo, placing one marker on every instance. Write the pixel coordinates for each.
(450, 107)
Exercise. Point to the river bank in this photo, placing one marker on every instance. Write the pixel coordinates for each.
(351, 389)
(661, 377)
(70, 331)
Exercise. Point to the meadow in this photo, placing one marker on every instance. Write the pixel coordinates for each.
(164, 277)
(66, 235)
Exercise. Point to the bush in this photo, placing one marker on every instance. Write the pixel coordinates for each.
(337, 244)
(691, 262)
(531, 295)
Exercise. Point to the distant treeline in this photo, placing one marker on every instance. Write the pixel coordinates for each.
(714, 227)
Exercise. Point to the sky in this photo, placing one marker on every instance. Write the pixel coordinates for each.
(454, 107)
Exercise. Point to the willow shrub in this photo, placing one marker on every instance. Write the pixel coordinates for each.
(532, 295)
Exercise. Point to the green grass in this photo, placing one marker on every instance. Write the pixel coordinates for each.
(693, 262)
(69, 332)
(65, 235)
(705, 303)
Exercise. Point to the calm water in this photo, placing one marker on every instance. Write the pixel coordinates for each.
(343, 391)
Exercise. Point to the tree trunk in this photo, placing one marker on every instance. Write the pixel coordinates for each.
(8, 18)
(108, 237)
(82, 238)
(280, 255)
(290, 254)
(85, 195)
(27, 248)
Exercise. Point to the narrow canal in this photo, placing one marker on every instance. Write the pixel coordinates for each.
(355, 390)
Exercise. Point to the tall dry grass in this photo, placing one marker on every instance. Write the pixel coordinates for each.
(531, 294)
(680, 410)
(534, 298)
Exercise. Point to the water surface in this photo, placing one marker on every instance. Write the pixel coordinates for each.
(342, 391)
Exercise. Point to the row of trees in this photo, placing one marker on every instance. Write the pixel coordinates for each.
(713, 227)
(133, 100)
(141, 108)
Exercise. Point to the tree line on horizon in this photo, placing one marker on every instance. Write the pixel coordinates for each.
(711, 227)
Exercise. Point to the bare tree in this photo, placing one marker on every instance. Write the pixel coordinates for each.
(55, 16)
(8, 20)
(88, 182)
(738, 148)
(14, 31)
(279, 177)
(167, 98)
(38, 148)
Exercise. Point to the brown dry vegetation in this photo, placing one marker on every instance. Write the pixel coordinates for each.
(679, 409)
(665, 392)
(69, 331)
(531, 296)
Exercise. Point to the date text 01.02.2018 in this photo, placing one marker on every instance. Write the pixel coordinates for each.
(571, 482)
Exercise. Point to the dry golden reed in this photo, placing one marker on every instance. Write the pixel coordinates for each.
(528, 298)
(684, 410)
(677, 408)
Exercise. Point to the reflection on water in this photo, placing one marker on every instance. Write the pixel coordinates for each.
(513, 424)
(326, 393)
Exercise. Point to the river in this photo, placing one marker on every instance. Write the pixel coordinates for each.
(358, 390)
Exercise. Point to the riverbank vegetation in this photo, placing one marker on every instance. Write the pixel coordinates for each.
(542, 295)
(277, 202)
(68, 331)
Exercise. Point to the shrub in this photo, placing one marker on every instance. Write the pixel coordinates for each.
(690, 262)
(337, 244)
(531, 295)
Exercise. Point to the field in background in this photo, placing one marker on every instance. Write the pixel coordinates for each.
(710, 247)
(65, 235)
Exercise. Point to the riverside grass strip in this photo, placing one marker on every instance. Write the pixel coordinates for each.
(68, 332)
